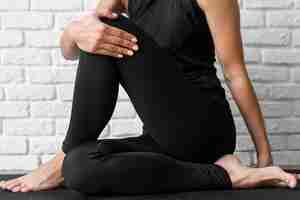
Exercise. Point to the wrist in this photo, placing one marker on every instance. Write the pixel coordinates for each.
(68, 41)
(264, 152)
(77, 17)
(263, 147)
(72, 31)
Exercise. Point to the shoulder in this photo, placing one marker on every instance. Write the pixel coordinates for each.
(201, 3)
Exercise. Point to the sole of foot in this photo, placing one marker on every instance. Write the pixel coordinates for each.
(249, 177)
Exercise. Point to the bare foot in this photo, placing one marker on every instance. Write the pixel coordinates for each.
(47, 176)
(249, 177)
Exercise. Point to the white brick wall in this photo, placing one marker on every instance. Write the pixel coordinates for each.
(36, 82)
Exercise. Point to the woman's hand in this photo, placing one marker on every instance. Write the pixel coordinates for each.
(93, 36)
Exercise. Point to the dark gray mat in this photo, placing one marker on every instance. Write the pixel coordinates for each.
(63, 193)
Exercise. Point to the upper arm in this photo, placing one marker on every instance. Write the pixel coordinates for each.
(223, 18)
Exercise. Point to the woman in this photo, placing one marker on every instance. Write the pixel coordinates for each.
(163, 56)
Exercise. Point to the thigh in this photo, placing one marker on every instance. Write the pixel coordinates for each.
(141, 143)
(114, 171)
(177, 113)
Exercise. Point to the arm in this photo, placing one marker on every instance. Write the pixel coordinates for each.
(90, 34)
(224, 21)
(69, 48)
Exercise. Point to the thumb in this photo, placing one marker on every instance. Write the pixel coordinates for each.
(107, 13)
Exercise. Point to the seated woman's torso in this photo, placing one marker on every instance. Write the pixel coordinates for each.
(181, 27)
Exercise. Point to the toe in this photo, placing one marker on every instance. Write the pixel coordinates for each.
(289, 178)
(11, 187)
(281, 184)
(292, 180)
(2, 184)
(16, 188)
(25, 189)
(23, 186)
(297, 177)
(13, 184)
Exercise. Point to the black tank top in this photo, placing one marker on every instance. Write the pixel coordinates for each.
(181, 27)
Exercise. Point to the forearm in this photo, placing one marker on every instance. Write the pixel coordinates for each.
(69, 49)
(244, 95)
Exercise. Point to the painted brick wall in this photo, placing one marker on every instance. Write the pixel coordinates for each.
(36, 83)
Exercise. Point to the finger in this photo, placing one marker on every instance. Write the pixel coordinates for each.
(112, 15)
(120, 42)
(108, 53)
(120, 33)
(116, 49)
(106, 13)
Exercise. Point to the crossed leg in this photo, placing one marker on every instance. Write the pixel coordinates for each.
(177, 115)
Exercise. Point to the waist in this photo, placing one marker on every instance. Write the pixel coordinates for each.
(207, 81)
(205, 76)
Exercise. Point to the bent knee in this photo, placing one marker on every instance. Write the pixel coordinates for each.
(80, 173)
(71, 170)
(123, 23)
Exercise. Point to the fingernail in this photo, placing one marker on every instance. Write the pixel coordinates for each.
(120, 55)
(134, 40)
(130, 53)
(135, 47)
(115, 14)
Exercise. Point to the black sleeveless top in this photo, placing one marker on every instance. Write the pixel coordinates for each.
(181, 27)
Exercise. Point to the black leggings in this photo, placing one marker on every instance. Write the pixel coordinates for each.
(187, 127)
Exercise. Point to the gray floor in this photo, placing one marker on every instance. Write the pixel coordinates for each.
(62, 193)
